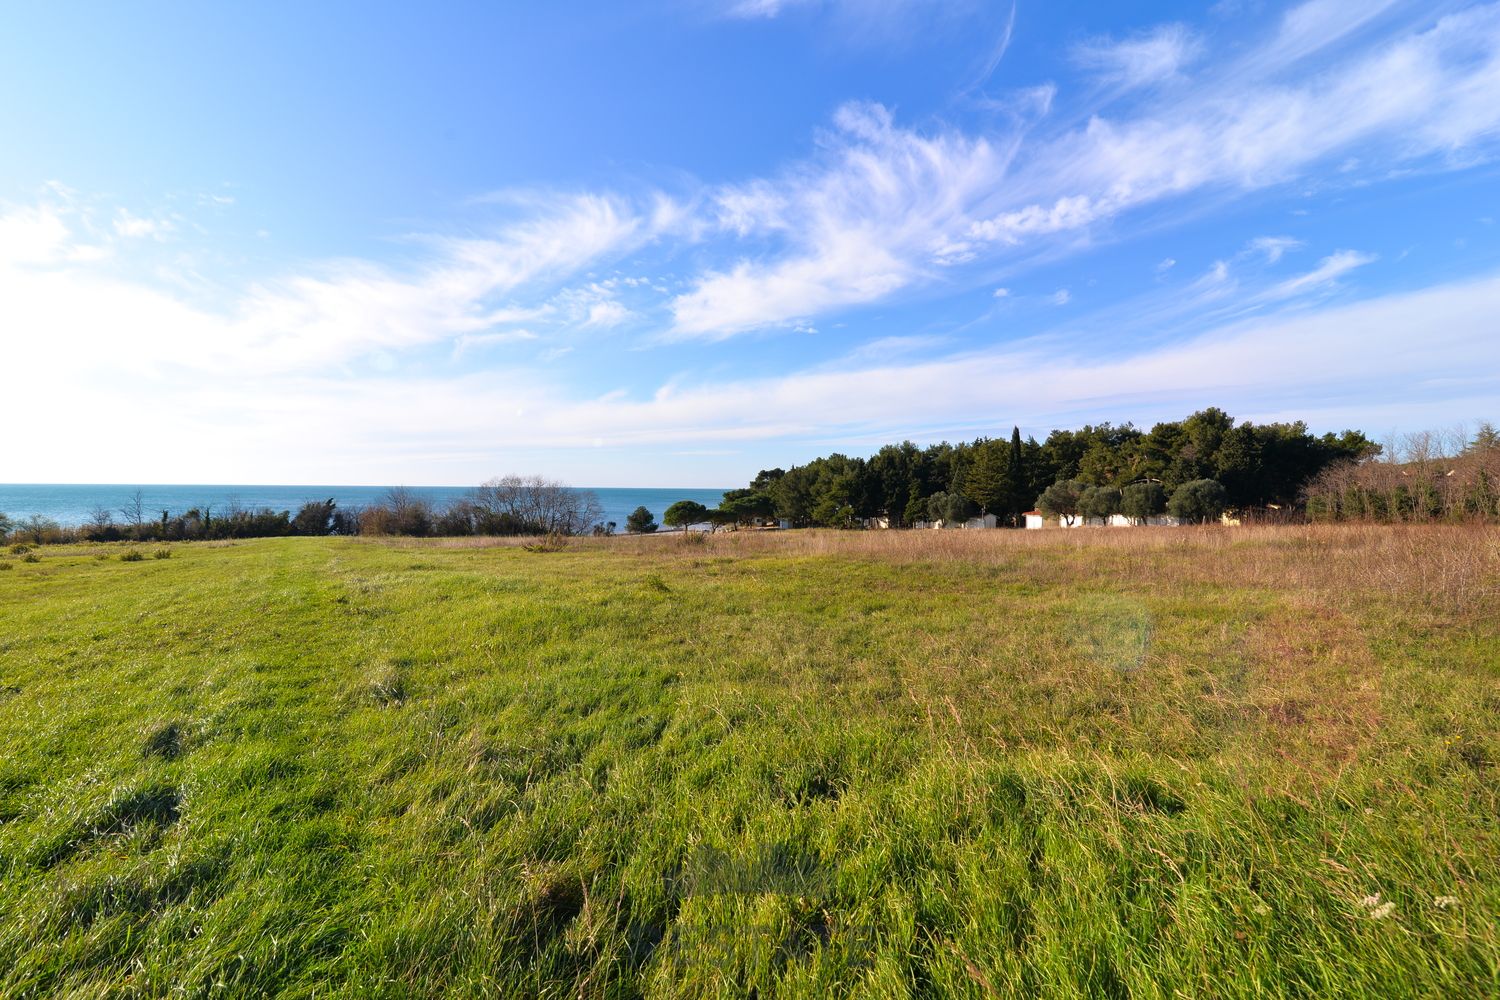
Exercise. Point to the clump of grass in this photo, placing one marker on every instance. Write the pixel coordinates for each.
(31, 557)
(20, 549)
(165, 742)
(131, 555)
(385, 686)
(553, 542)
(162, 554)
(6, 564)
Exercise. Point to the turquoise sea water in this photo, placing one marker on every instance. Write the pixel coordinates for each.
(74, 504)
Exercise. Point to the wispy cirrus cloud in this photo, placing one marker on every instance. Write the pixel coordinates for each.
(1329, 270)
(887, 208)
(462, 290)
(1273, 248)
(1151, 57)
(884, 206)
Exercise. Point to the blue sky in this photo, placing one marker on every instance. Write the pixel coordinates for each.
(672, 243)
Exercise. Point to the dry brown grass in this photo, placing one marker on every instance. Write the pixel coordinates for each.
(1452, 567)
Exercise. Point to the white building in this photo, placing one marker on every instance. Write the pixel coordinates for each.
(1036, 519)
(987, 521)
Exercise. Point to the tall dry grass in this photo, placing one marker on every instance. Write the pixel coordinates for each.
(1451, 566)
(1455, 567)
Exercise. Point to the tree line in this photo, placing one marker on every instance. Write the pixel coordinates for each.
(1192, 468)
(508, 505)
(1431, 476)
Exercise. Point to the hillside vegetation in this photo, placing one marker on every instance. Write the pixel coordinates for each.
(1145, 763)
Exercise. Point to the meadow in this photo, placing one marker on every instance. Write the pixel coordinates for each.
(1110, 763)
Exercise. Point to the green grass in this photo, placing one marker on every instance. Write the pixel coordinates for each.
(1137, 763)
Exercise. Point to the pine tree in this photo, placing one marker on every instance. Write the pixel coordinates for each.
(987, 481)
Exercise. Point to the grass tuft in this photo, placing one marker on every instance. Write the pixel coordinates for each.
(165, 742)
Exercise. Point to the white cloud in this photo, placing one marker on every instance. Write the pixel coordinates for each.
(1273, 247)
(887, 206)
(1148, 58)
(335, 313)
(866, 12)
(607, 314)
(762, 8)
(134, 226)
(1415, 97)
(887, 349)
(1328, 271)
(246, 423)
(40, 235)
(1002, 293)
(1316, 24)
(477, 341)
(1166, 265)
(1061, 297)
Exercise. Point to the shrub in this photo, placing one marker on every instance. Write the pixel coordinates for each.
(315, 518)
(19, 549)
(31, 557)
(131, 555)
(1140, 501)
(4, 564)
(1099, 502)
(1060, 500)
(1197, 502)
(162, 554)
(950, 508)
(554, 541)
(640, 521)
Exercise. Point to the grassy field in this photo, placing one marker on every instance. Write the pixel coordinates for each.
(1144, 763)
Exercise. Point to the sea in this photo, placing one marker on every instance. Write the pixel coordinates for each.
(72, 505)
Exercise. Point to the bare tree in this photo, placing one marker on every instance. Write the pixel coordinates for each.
(100, 519)
(533, 503)
(134, 510)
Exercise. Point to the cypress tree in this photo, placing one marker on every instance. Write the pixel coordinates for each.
(1019, 502)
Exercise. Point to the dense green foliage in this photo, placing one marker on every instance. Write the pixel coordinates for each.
(1197, 502)
(1258, 763)
(1140, 501)
(1257, 464)
(685, 512)
(640, 521)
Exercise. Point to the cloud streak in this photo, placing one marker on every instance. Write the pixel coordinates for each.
(889, 208)
(1152, 57)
